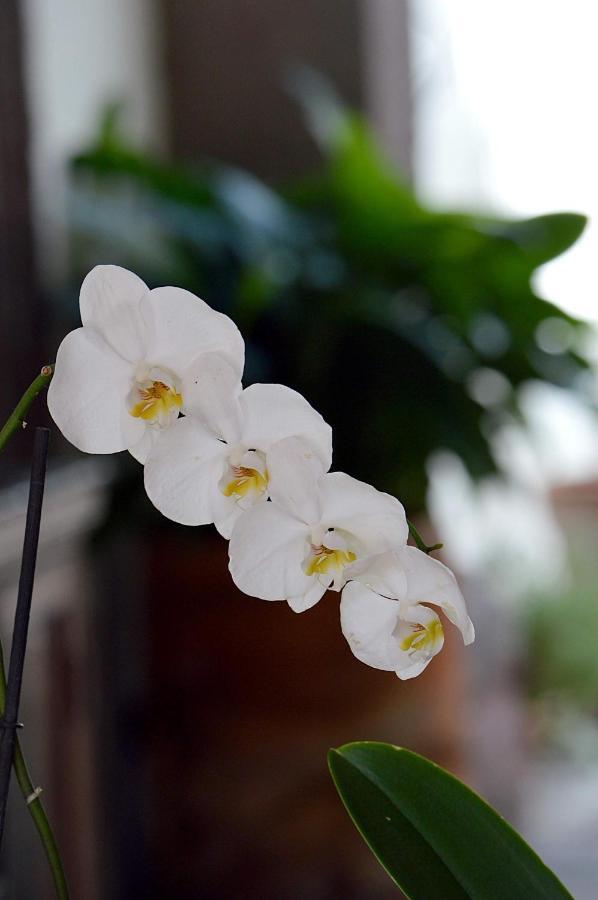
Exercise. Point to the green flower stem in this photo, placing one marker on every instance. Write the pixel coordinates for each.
(34, 804)
(419, 541)
(14, 423)
(16, 420)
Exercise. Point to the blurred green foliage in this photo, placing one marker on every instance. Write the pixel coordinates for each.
(561, 629)
(410, 330)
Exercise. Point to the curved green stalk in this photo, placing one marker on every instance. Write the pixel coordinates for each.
(419, 541)
(34, 804)
(16, 420)
(14, 423)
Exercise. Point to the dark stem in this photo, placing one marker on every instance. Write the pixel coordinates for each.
(21, 625)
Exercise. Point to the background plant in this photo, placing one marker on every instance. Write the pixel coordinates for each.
(348, 289)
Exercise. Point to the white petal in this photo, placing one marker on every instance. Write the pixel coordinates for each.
(411, 668)
(309, 599)
(383, 573)
(182, 473)
(272, 412)
(411, 664)
(374, 627)
(181, 327)
(110, 304)
(294, 470)
(368, 621)
(266, 551)
(211, 390)
(226, 513)
(430, 581)
(376, 519)
(87, 395)
(141, 450)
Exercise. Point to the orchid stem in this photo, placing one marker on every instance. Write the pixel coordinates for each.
(14, 423)
(14, 681)
(419, 541)
(34, 804)
(17, 420)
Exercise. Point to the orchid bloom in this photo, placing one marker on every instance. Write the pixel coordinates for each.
(386, 615)
(317, 524)
(215, 464)
(123, 378)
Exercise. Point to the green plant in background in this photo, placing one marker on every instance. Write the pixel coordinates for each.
(422, 323)
(563, 661)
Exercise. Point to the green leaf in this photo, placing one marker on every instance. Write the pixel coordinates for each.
(543, 237)
(435, 837)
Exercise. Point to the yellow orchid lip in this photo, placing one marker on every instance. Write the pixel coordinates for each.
(156, 402)
(324, 560)
(245, 480)
(423, 636)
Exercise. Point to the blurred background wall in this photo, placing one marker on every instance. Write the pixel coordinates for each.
(180, 729)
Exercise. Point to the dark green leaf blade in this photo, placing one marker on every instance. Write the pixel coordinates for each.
(435, 837)
(407, 857)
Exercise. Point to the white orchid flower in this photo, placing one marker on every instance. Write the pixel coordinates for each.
(216, 463)
(124, 377)
(385, 615)
(317, 524)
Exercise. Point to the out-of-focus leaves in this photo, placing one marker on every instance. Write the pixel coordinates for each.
(435, 837)
(543, 237)
(112, 156)
(379, 310)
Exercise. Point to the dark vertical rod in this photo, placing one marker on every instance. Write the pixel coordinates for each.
(9, 721)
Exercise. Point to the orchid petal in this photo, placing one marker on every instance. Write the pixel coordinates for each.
(266, 551)
(383, 635)
(211, 389)
(226, 512)
(272, 412)
(383, 573)
(180, 327)
(368, 621)
(376, 519)
(430, 581)
(309, 598)
(109, 301)
(143, 447)
(87, 395)
(182, 472)
(294, 470)
(410, 663)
